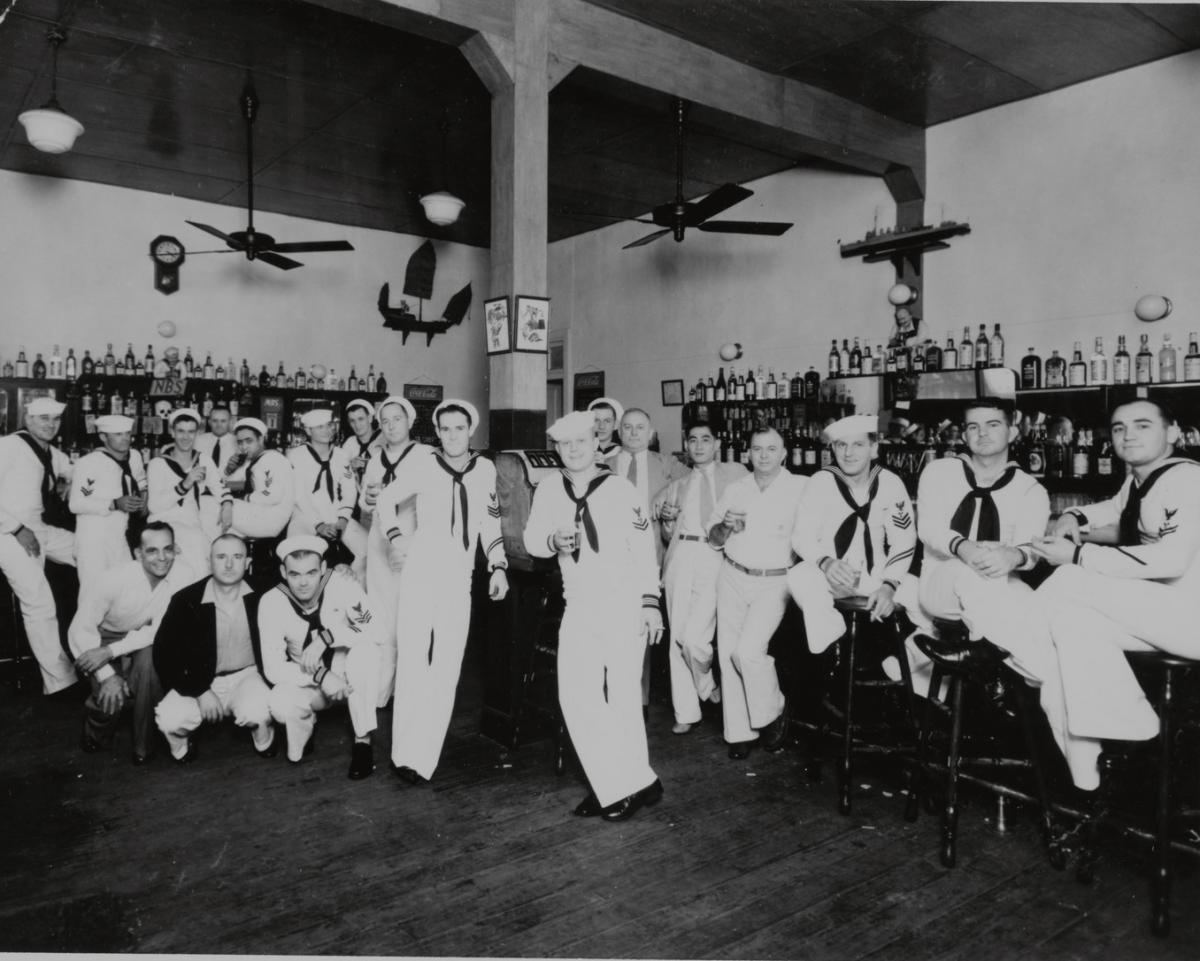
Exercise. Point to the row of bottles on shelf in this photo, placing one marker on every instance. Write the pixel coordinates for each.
(855, 359)
(110, 365)
(1144, 367)
(752, 386)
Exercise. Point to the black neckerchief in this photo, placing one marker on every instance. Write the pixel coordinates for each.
(129, 484)
(989, 515)
(583, 513)
(460, 489)
(49, 494)
(324, 471)
(844, 535)
(389, 467)
(1129, 535)
(313, 617)
(182, 474)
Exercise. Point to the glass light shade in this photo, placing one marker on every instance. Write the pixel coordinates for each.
(901, 295)
(50, 130)
(730, 352)
(442, 208)
(1152, 307)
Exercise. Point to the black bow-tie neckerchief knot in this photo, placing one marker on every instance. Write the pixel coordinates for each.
(49, 493)
(324, 473)
(1128, 531)
(583, 513)
(390, 467)
(844, 536)
(989, 515)
(458, 495)
(129, 484)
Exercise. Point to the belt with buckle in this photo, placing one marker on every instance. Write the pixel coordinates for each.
(757, 571)
(690, 537)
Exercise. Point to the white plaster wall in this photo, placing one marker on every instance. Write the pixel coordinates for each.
(74, 270)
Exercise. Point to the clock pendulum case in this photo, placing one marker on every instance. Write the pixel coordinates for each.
(167, 254)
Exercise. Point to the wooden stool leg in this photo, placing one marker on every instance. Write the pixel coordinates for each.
(915, 776)
(1161, 920)
(848, 644)
(1025, 707)
(950, 813)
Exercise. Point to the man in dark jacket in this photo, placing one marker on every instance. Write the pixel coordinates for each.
(206, 653)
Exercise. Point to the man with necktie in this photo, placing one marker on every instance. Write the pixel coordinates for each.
(1141, 594)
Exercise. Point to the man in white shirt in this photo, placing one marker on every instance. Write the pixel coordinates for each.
(262, 511)
(108, 486)
(325, 490)
(753, 524)
(112, 633)
(31, 471)
(220, 446)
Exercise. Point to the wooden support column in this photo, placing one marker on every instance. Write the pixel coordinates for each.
(516, 73)
(904, 184)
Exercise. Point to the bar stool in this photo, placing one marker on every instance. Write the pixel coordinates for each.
(541, 673)
(959, 662)
(859, 626)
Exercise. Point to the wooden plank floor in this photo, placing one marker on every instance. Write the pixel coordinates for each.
(236, 855)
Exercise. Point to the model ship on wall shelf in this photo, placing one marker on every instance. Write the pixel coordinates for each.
(900, 242)
(418, 282)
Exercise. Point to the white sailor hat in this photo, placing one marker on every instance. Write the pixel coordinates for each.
(618, 410)
(187, 413)
(316, 417)
(302, 542)
(472, 413)
(855, 425)
(45, 405)
(114, 424)
(401, 402)
(253, 423)
(575, 424)
(364, 404)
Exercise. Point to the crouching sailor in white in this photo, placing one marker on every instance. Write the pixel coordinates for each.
(108, 486)
(592, 520)
(325, 491)
(690, 571)
(855, 534)
(319, 646)
(455, 492)
(30, 471)
(1142, 594)
(208, 657)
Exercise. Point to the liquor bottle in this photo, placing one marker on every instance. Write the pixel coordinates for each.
(1031, 371)
(1191, 361)
(1035, 453)
(264, 377)
(115, 406)
(742, 387)
(1143, 363)
(760, 383)
(1077, 372)
(207, 405)
(879, 360)
(85, 402)
(189, 365)
(130, 360)
(982, 346)
(901, 356)
(710, 389)
(22, 363)
(950, 354)
(220, 372)
(231, 371)
(812, 384)
(352, 380)
(209, 371)
(1056, 457)
(854, 361)
(245, 373)
(868, 361)
(1099, 364)
(110, 363)
(1168, 361)
(149, 361)
(966, 351)
(331, 380)
(54, 369)
(834, 359)
(281, 376)
(996, 349)
(812, 451)
(720, 395)
(1081, 455)
(87, 366)
(39, 368)
(916, 358)
(381, 383)
(373, 384)
(1056, 370)
(889, 366)
(933, 355)
(139, 369)
(119, 369)
(797, 386)
(773, 384)
(71, 367)
(1104, 463)
(8, 369)
(797, 451)
(1121, 362)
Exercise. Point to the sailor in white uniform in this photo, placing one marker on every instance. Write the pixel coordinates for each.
(385, 557)
(1140, 594)
(108, 486)
(266, 502)
(325, 490)
(592, 520)
(31, 470)
(455, 491)
(753, 524)
(319, 642)
(855, 534)
(608, 414)
(364, 438)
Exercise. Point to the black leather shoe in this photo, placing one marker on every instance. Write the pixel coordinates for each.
(740, 750)
(362, 762)
(774, 735)
(408, 775)
(626, 808)
(89, 745)
(589, 807)
(139, 758)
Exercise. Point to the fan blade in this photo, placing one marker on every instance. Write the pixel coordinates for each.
(283, 263)
(311, 246)
(720, 199)
(744, 227)
(236, 245)
(647, 239)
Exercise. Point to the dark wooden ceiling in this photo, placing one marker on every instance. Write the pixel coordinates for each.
(358, 119)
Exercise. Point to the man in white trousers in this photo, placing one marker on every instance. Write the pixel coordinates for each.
(592, 520)
(753, 524)
(208, 657)
(108, 487)
(31, 470)
(319, 646)
(1141, 594)
(690, 573)
(457, 511)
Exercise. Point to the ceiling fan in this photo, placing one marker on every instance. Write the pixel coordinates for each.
(675, 217)
(257, 245)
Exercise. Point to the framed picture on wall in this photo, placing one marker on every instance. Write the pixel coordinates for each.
(672, 393)
(533, 324)
(495, 320)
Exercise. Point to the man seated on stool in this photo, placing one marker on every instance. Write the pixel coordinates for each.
(1143, 594)
(112, 633)
(207, 655)
(320, 644)
(855, 533)
(266, 501)
(753, 523)
(690, 573)
(325, 490)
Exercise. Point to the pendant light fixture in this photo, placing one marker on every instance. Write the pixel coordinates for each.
(442, 207)
(50, 128)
